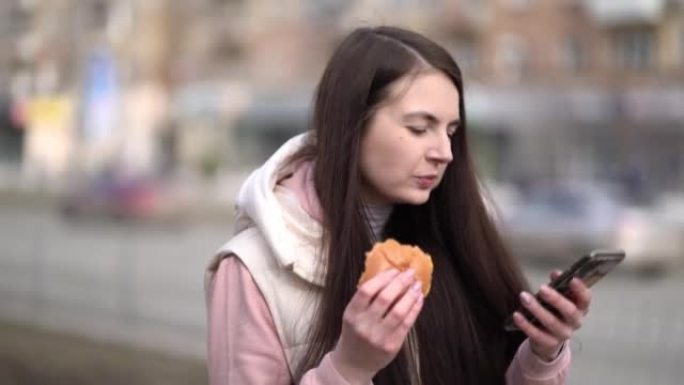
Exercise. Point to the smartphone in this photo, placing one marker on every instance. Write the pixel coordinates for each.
(589, 268)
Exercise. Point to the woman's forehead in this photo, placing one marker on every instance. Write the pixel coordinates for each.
(430, 91)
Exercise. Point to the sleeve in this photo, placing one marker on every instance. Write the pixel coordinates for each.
(243, 344)
(528, 369)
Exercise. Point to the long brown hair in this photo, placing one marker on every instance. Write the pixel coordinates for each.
(475, 285)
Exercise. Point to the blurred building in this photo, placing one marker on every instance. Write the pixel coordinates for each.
(565, 88)
(39, 50)
(240, 59)
(77, 79)
(586, 88)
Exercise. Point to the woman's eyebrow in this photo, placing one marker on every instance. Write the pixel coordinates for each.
(428, 116)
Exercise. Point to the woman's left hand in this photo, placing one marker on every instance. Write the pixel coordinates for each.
(547, 342)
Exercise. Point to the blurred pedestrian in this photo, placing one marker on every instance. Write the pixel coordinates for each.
(387, 157)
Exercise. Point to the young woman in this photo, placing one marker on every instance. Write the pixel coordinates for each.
(387, 156)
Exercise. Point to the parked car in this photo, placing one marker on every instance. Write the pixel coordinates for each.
(653, 236)
(557, 224)
(111, 197)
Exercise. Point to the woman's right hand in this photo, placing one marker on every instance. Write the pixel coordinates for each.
(375, 324)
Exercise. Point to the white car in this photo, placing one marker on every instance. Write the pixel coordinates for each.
(557, 224)
(653, 236)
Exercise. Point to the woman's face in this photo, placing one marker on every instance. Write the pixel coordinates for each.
(407, 144)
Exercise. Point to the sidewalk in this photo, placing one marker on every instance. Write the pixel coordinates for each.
(32, 356)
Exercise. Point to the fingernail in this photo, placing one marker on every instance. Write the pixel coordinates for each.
(545, 289)
(392, 272)
(416, 287)
(526, 298)
(409, 273)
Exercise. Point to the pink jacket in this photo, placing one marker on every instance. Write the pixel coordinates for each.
(244, 347)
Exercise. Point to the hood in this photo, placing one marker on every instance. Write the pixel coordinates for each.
(291, 234)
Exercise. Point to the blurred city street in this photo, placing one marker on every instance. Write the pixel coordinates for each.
(132, 283)
(126, 127)
(141, 285)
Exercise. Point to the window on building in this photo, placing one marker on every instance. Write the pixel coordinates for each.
(513, 56)
(93, 15)
(518, 5)
(573, 55)
(228, 48)
(407, 3)
(635, 49)
(573, 3)
(327, 8)
(13, 19)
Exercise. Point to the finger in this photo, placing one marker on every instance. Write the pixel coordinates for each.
(567, 308)
(394, 339)
(534, 333)
(391, 293)
(405, 325)
(549, 321)
(555, 274)
(581, 294)
(400, 310)
(369, 289)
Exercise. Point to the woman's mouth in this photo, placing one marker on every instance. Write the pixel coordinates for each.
(426, 181)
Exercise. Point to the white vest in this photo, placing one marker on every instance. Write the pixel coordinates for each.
(290, 299)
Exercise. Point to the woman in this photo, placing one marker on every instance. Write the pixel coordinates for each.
(387, 157)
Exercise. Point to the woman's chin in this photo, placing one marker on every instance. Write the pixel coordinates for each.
(415, 197)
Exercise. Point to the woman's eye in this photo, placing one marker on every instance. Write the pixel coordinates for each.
(417, 130)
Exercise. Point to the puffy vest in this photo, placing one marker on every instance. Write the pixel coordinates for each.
(290, 298)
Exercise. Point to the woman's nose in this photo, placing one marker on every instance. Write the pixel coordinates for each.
(440, 150)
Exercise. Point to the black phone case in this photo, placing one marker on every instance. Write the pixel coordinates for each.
(590, 269)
